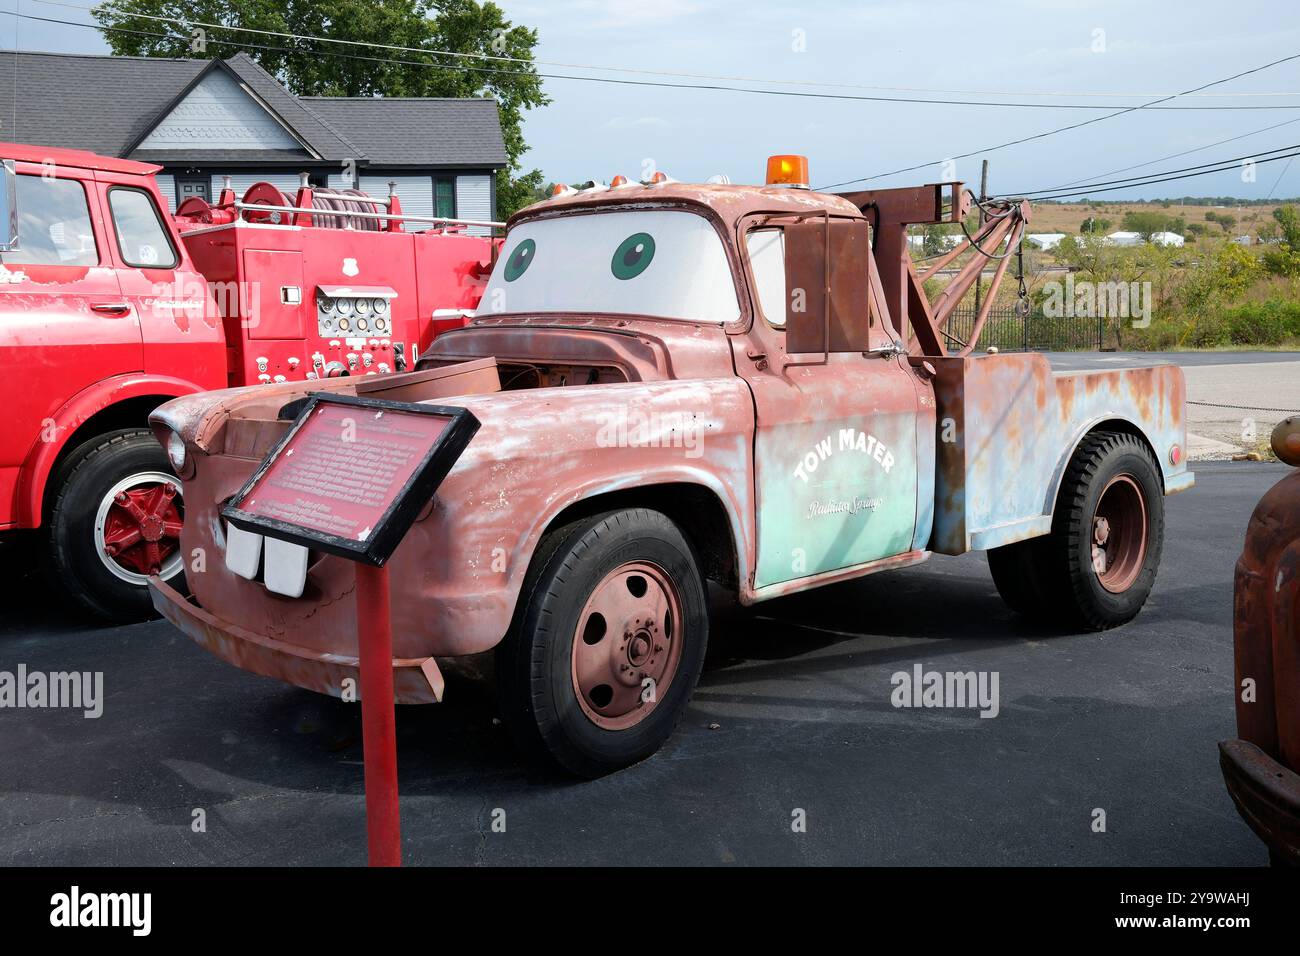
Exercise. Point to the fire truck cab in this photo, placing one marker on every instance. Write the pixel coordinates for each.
(109, 306)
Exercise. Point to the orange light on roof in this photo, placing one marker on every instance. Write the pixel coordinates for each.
(619, 180)
(787, 171)
(562, 189)
(658, 179)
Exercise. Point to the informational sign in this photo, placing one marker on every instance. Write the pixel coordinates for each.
(352, 474)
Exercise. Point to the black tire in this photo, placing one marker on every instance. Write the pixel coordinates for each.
(1054, 578)
(82, 481)
(538, 698)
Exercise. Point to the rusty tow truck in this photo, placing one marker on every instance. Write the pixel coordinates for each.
(1261, 766)
(679, 383)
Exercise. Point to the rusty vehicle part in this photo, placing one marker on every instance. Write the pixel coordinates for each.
(1262, 767)
(688, 382)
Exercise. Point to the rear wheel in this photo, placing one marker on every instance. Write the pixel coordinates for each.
(1099, 563)
(608, 643)
(115, 521)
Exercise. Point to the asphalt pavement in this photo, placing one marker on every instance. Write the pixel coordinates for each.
(791, 753)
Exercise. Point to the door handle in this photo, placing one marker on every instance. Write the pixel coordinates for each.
(111, 308)
(889, 351)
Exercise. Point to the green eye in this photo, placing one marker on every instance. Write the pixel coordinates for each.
(632, 256)
(520, 259)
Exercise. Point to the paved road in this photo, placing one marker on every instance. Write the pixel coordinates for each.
(1234, 398)
(1125, 721)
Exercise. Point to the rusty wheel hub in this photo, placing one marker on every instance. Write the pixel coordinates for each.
(1119, 534)
(138, 527)
(626, 645)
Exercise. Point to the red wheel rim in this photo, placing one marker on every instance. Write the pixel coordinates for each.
(141, 527)
(626, 645)
(1119, 534)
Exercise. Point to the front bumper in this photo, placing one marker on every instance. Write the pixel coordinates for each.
(415, 680)
(1267, 796)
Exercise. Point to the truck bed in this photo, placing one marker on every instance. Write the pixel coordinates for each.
(1007, 425)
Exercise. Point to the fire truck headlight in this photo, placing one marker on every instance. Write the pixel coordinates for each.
(176, 452)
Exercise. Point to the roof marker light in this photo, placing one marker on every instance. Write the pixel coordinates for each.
(789, 170)
(658, 179)
(562, 189)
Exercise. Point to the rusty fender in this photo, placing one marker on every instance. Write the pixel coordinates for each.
(1260, 767)
(458, 573)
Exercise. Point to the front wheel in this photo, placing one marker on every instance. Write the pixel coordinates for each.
(608, 643)
(1098, 565)
(116, 520)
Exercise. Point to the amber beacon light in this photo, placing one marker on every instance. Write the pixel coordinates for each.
(787, 171)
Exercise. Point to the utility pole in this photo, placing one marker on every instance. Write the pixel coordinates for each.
(984, 195)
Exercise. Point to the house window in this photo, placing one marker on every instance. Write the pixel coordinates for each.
(444, 196)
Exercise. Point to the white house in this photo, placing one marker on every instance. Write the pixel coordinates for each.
(1123, 239)
(1045, 240)
(1167, 239)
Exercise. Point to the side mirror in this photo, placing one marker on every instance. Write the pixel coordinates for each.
(8, 207)
(814, 254)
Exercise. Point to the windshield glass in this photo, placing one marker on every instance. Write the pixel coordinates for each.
(668, 264)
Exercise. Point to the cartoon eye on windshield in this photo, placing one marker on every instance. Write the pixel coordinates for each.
(632, 256)
(520, 259)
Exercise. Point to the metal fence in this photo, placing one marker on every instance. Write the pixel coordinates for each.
(1010, 331)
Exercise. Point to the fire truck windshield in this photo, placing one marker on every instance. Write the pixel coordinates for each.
(668, 264)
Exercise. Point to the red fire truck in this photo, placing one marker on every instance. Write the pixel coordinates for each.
(109, 307)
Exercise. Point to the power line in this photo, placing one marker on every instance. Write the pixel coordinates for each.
(647, 72)
(1226, 163)
(1278, 181)
(1072, 126)
(606, 79)
(1165, 179)
(1186, 152)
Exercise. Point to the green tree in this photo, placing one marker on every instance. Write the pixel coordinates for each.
(1147, 223)
(313, 68)
(1094, 224)
(1283, 258)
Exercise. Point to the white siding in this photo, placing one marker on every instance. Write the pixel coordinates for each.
(219, 114)
(474, 201)
(287, 183)
(414, 192)
(167, 186)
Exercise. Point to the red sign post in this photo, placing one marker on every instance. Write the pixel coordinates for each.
(349, 478)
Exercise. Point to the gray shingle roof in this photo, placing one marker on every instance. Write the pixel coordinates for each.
(108, 103)
(416, 131)
(99, 103)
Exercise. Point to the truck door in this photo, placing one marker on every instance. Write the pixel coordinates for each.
(178, 324)
(835, 445)
(64, 323)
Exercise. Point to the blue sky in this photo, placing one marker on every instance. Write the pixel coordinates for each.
(598, 129)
